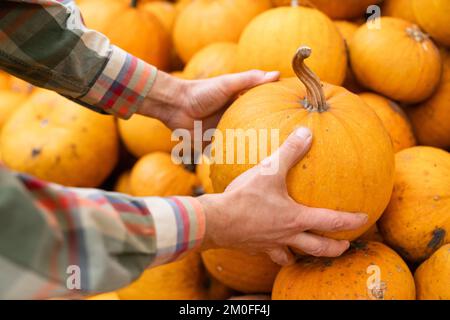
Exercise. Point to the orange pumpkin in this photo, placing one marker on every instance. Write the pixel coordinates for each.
(4, 81)
(57, 140)
(417, 220)
(105, 296)
(433, 17)
(157, 175)
(126, 27)
(203, 169)
(397, 60)
(368, 271)
(142, 135)
(204, 22)
(244, 272)
(431, 119)
(373, 234)
(325, 178)
(164, 11)
(123, 183)
(433, 276)
(213, 60)
(9, 103)
(394, 119)
(402, 9)
(270, 41)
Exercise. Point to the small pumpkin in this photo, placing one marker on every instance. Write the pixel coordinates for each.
(142, 135)
(433, 17)
(9, 103)
(271, 39)
(204, 22)
(203, 170)
(163, 10)
(433, 276)
(122, 184)
(157, 175)
(57, 140)
(325, 178)
(397, 60)
(213, 60)
(241, 271)
(417, 220)
(402, 9)
(394, 119)
(431, 119)
(368, 271)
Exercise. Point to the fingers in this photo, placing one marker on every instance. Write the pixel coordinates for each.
(318, 246)
(282, 256)
(237, 82)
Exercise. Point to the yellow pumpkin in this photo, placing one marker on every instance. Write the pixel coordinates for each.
(213, 60)
(157, 175)
(57, 140)
(368, 271)
(203, 170)
(433, 17)
(417, 220)
(20, 86)
(9, 103)
(433, 276)
(127, 26)
(204, 22)
(123, 183)
(431, 119)
(270, 40)
(164, 11)
(142, 135)
(184, 279)
(241, 271)
(402, 9)
(348, 137)
(394, 119)
(397, 60)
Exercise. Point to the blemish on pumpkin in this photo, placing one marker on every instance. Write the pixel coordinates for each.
(436, 198)
(437, 239)
(35, 152)
(219, 268)
(304, 166)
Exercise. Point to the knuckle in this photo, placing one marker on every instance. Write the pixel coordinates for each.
(337, 223)
(319, 250)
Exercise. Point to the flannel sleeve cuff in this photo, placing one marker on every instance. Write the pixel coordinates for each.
(122, 86)
(180, 227)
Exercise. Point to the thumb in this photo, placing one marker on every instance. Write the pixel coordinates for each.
(237, 82)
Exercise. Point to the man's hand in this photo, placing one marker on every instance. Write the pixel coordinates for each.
(256, 213)
(178, 103)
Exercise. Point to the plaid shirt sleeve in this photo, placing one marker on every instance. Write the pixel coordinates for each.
(68, 242)
(46, 43)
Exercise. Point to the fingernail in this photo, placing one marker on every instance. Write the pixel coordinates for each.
(272, 74)
(303, 133)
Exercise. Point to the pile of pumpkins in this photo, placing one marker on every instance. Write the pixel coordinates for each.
(380, 118)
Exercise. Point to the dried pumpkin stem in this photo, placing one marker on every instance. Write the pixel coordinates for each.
(315, 97)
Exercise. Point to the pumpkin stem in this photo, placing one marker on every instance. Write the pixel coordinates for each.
(315, 97)
(134, 3)
(417, 34)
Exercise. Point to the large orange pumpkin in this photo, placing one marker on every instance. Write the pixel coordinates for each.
(203, 169)
(271, 39)
(57, 140)
(433, 276)
(9, 103)
(213, 60)
(433, 17)
(402, 9)
(368, 271)
(348, 138)
(394, 119)
(244, 272)
(431, 119)
(417, 220)
(136, 31)
(157, 175)
(203, 22)
(397, 60)
(142, 135)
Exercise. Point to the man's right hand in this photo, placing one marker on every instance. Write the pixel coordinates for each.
(256, 213)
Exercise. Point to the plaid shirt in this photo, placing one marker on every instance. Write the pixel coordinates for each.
(54, 240)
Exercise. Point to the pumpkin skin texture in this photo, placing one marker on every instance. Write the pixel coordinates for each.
(433, 276)
(241, 271)
(346, 277)
(270, 41)
(373, 234)
(9, 103)
(143, 135)
(164, 11)
(212, 61)
(105, 296)
(203, 170)
(203, 22)
(397, 60)
(57, 140)
(417, 220)
(431, 119)
(157, 175)
(433, 17)
(402, 9)
(122, 184)
(4, 81)
(394, 120)
(341, 146)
